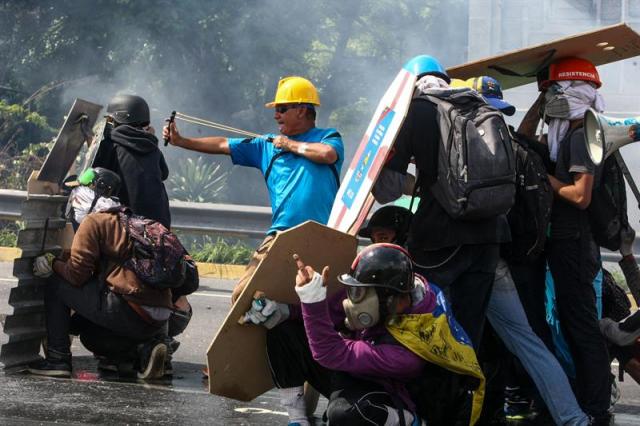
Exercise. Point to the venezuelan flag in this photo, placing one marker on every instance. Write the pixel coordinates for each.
(438, 338)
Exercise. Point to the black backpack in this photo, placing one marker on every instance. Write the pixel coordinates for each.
(529, 217)
(475, 161)
(615, 302)
(608, 208)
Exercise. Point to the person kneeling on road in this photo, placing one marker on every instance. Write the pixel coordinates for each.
(355, 350)
(94, 283)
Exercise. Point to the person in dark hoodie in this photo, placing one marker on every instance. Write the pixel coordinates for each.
(131, 151)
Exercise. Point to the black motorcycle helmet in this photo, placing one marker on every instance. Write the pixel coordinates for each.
(384, 266)
(129, 109)
(105, 182)
(393, 217)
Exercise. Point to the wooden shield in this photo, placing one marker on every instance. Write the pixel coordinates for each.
(519, 67)
(236, 358)
(75, 130)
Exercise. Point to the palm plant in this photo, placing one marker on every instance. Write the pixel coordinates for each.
(197, 181)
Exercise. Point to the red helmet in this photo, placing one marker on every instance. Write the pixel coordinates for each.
(573, 69)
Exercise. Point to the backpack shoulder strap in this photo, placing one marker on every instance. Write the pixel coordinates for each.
(273, 160)
(267, 172)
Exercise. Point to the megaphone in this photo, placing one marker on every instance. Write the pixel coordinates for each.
(604, 135)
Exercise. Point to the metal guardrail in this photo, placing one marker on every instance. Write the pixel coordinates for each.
(228, 219)
(225, 219)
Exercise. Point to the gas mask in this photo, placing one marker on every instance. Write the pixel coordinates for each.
(362, 307)
(556, 104)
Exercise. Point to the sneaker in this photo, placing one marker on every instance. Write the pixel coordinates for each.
(168, 368)
(517, 407)
(604, 420)
(51, 367)
(105, 364)
(173, 345)
(152, 358)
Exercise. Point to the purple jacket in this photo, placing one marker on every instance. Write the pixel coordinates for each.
(391, 365)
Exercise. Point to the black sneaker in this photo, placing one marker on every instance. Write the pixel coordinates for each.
(168, 368)
(106, 364)
(152, 358)
(51, 367)
(517, 407)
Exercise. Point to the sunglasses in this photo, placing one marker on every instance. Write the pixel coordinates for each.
(281, 109)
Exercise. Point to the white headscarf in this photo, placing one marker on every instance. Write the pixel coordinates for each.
(581, 95)
(81, 199)
(431, 82)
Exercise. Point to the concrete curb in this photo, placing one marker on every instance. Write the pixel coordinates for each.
(207, 270)
(7, 254)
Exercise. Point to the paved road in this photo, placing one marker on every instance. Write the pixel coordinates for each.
(90, 398)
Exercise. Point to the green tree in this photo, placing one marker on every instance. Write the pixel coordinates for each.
(219, 59)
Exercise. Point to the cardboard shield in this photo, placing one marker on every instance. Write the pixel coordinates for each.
(75, 130)
(519, 67)
(354, 200)
(236, 358)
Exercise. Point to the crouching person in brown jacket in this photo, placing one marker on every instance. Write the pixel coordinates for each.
(93, 283)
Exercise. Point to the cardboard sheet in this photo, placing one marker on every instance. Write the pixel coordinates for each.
(236, 358)
(601, 46)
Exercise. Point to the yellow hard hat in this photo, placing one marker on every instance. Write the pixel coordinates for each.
(295, 90)
(457, 83)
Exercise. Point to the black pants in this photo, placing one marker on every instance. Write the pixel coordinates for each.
(529, 279)
(574, 265)
(94, 302)
(358, 402)
(104, 342)
(352, 401)
(466, 278)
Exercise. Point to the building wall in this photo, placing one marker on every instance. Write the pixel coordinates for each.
(497, 26)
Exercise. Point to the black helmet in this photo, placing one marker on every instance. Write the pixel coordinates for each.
(106, 182)
(129, 109)
(394, 217)
(381, 265)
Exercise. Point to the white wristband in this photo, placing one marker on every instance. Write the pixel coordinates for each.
(312, 292)
(302, 148)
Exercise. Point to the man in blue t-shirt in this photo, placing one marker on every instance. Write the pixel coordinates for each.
(301, 165)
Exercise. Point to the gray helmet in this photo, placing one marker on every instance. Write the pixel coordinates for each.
(129, 109)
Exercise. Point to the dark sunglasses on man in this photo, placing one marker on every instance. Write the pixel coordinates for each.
(281, 109)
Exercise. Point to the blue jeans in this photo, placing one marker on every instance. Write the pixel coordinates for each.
(506, 315)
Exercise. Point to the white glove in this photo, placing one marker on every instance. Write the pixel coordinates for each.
(42, 265)
(266, 312)
(313, 292)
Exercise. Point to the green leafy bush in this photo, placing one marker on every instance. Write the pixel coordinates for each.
(220, 251)
(197, 181)
(8, 234)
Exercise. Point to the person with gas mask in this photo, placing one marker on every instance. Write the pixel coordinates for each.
(93, 283)
(569, 89)
(353, 346)
(131, 150)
